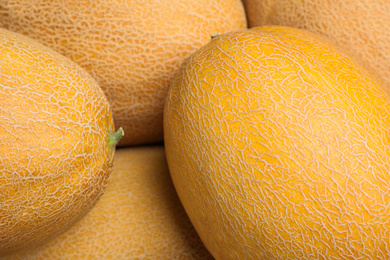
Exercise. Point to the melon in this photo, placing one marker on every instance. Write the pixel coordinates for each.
(138, 217)
(360, 27)
(278, 145)
(56, 142)
(131, 47)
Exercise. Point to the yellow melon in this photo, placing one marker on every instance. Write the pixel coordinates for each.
(360, 27)
(131, 47)
(278, 144)
(56, 146)
(138, 217)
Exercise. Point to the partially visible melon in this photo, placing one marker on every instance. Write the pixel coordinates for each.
(360, 27)
(56, 142)
(278, 144)
(131, 47)
(138, 217)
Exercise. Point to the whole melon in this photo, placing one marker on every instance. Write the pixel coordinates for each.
(56, 142)
(131, 47)
(278, 145)
(360, 27)
(138, 217)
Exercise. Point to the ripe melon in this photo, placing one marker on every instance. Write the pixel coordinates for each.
(131, 47)
(360, 27)
(138, 217)
(278, 145)
(56, 142)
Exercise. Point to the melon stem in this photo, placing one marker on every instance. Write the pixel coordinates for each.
(214, 35)
(114, 138)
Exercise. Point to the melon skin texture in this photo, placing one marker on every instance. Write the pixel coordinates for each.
(360, 27)
(138, 217)
(131, 47)
(55, 142)
(278, 146)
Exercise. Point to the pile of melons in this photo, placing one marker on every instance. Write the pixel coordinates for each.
(178, 129)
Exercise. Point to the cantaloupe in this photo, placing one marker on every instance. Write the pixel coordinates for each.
(56, 142)
(360, 27)
(138, 217)
(278, 144)
(131, 47)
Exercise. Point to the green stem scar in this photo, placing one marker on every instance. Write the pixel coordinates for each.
(214, 35)
(114, 138)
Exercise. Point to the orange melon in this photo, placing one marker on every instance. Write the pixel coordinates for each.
(131, 47)
(56, 142)
(138, 217)
(360, 27)
(278, 144)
